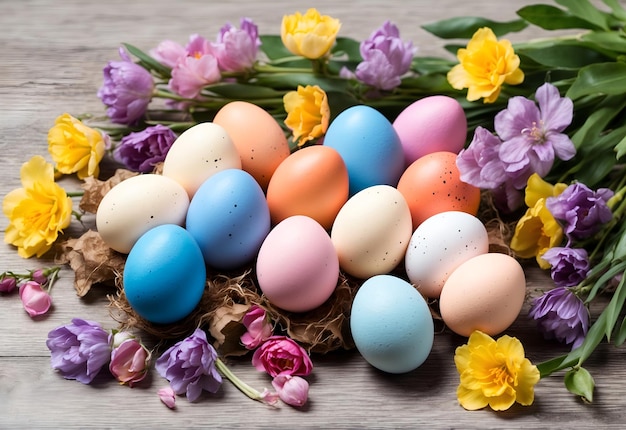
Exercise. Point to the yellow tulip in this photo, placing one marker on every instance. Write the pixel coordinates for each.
(308, 113)
(310, 35)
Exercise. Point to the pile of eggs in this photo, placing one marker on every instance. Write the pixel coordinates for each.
(374, 196)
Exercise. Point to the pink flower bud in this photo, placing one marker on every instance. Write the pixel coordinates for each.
(292, 390)
(7, 284)
(35, 300)
(130, 362)
(40, 277)
(259, 328)
(167, 396)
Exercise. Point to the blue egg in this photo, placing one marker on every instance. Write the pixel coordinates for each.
(369, 146)
(391, 324)
(164, 275)
(229, 218)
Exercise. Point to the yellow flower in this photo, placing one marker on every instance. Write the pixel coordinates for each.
(537, 230)
(308, 113)
(485, 65)
(494, 373)
(38, 211)
(310, 35)
(74, 147)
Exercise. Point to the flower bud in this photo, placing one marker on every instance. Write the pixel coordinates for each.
(40, 277)
(292, 390)
(129, 361)
(167, 396)
(7, 284)
(310, 35)
(259, 328)
(35, 300)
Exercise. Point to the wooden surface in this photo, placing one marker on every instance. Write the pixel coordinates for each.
(52, 56)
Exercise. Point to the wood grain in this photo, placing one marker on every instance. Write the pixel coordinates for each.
(52, 58)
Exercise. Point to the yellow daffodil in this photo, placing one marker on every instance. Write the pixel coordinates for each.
(494, 373)
(310, 35)
(485, 65)
(75, 148)
(308, 113)
(537, 230)
(38, 211)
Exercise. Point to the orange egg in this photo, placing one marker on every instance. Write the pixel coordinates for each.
(258, 137)
(432, 184)
(312, 181)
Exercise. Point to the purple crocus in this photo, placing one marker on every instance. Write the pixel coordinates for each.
(561, 315)
(79, 349)
(189, 365)
(126, 91)
(532, 135)
(385, 58)
(581, 209)
(569, 266)
(141, 151)
(236, 49)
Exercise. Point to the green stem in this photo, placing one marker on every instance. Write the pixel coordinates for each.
(75, 193)
(242, 386)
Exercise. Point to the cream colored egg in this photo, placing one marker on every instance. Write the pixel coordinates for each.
(198, 153)
(138, 204)
(371, 231)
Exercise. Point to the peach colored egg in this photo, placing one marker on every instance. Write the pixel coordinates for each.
(313, 182)
(432, 184)
(484, 293)
(258, 137)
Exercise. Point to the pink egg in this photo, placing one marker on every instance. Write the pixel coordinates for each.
(431, 124)
(297, 267)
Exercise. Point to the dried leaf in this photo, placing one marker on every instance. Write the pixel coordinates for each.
(226, 328)
(95, 189)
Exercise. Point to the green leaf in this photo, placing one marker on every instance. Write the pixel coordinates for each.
(580, 382)
(552, 18)
(618, 11)
(606, 78)
(585, 138)
(583, 9)
(147, 62)
(272, 45)
(465, 27)
(620, 338)
(564, 55)
(620, 148)
(614, 308)
(290, 81)
(244, 91)
(349, 47)
(608, 41)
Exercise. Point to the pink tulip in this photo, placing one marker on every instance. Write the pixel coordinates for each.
(129, 362)
(167, 396)
(7, 284)
(259, 327)
(292, 390)
(35, 300)
(280, 355)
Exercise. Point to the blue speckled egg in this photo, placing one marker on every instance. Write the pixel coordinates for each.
(369, 146)
(164, 275)
(229, 218)
(391, 324)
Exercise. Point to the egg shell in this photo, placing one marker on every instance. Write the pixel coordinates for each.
(198, 153)
(372, 231)
(484, 293)
(432, 184)
(297, 268)
(369, 146)
(258, 137)
(164, 275)
(441, 244)
(431, 124)
(229, 218)
(136, 205)
(312, 181)
(391, 324)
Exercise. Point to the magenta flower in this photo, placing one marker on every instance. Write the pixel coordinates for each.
(130, 360)
(126, 91)
(7, 283)
(169, 53)
(258, 327)
(292, 390)
(79, 350)
(385, 58)
(581, 209)
(569, 266)
(191, 74)
(280, 355)
(36, 301)
(561, 315)
(189, 365)
(236, 49)
(167, 396)
(141, 151)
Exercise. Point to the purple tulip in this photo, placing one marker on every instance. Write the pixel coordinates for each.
(141, 151)
(569, 265)
(236, 49)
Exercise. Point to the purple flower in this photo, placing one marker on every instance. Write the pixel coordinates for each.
(569, 265)
(236, 49)
(126, 91)
(79, 350)
(561, 315)
(385, 58)
(189, 365)
(480, 164)
(142, 150)
(532, 135)
(582, 209)
(7, 283)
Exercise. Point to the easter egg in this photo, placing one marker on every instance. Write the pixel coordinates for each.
(432, 184)
(391, 324)
(229, 218)
(164, 275)
(312, 181)
(368, 145)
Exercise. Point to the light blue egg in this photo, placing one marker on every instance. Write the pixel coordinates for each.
(229, 218)
(391, 324)
(369, 146)
(164, 275)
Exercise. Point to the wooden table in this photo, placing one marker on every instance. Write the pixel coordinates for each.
(53, 52)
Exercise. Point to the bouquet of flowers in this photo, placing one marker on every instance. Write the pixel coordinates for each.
(542, 142)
